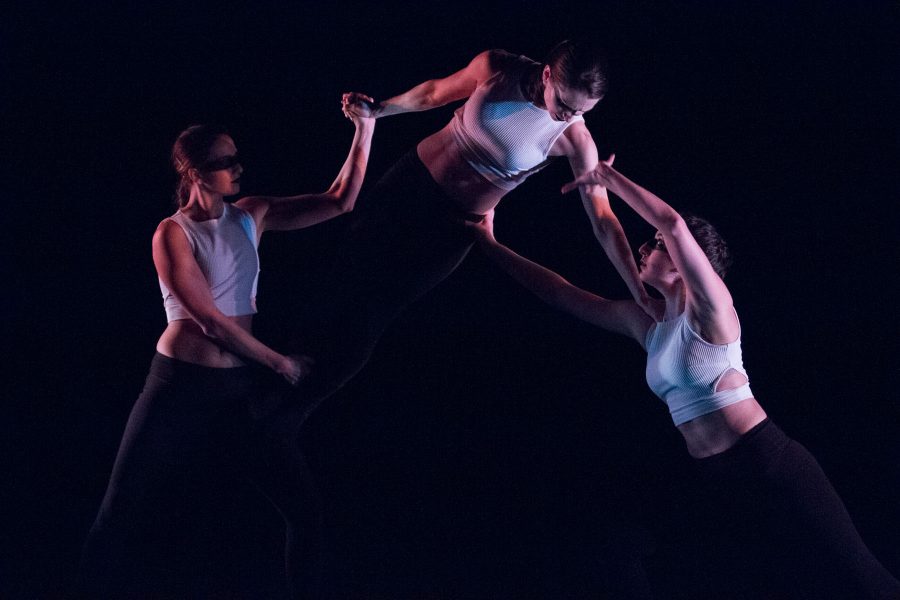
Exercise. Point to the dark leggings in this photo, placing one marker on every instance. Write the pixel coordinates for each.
(189, 426)
(774, 489)
(405, 239)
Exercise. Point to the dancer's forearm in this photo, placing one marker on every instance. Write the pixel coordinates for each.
(438, 92)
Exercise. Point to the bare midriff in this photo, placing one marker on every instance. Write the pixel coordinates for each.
(460, 182)
(184, 340)
(718, 431)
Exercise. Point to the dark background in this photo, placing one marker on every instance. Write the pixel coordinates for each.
(493, 447)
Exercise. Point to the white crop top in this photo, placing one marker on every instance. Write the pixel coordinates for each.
(501, 134)
(683, 370)
(225, 249)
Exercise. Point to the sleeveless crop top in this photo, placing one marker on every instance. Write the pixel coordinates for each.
(683, 370)
(502, 135)
(225, 249)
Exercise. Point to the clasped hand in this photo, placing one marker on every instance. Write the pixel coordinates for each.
(357, 106)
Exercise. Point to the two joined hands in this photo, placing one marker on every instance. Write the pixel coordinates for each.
(357, 106)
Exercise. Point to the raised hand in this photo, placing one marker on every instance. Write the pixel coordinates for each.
(599, 175)
(357, 106)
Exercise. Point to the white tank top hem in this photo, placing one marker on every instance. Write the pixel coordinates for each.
(683, 370)
(226, 251)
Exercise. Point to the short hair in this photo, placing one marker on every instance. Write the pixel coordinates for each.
(580, 65)
(712, 243)
(190, 150)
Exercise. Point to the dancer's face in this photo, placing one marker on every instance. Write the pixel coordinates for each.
(655, 262)
(563, 102)
(221, 172)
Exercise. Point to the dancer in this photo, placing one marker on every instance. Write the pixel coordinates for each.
(694, 365)
(411, 234)
(191, 418)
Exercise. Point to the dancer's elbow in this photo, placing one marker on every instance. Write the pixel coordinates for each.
(211, 329)
(212, 325)
(605, 225)
(670, 223)
(343, 200)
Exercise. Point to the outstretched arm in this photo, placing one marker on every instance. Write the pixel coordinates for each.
(707, 295)
(296, 212)
(581, 150)
(619, 316)
(438, 92)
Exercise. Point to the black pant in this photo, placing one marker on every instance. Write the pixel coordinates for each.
(405, 239)
(776, 496)
(189, 426)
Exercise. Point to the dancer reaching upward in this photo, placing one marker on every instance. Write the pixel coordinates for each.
(694, 364)
(191, 418)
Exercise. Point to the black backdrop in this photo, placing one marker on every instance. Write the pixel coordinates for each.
(493, 447)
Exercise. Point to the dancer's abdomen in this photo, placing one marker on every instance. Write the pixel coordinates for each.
(184, 340)
(457, 179)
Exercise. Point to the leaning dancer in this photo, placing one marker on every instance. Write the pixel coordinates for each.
(693, 344)
(191, 418)
(411, 233)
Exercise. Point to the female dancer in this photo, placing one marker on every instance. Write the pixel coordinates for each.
(694, 365)
(412, 235)
(191, 416)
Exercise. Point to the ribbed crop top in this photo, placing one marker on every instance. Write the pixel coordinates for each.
(683, 370)
(225, 249)
(501, 134)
